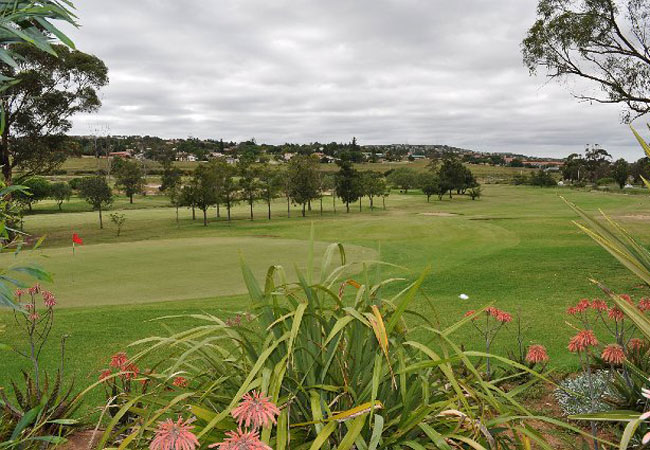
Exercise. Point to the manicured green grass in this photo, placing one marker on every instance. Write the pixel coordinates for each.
(516, 247)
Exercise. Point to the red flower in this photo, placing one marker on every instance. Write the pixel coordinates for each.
(644, 304)
(503, 317)
(130, 371)
(582, 340)
(616, 314)
(613, 354)
(255, 409)
(34, 289)
(48, 299)
(240, 440)
(470, 313)
(76, 239)
(180, 382)
(599, 305)
(119, 360)
(19, 293)
(172, 435)
(636, 344)
(536, 354)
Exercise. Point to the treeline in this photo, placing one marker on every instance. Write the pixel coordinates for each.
(596, 166)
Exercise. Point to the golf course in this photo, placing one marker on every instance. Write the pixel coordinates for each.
(516, 248)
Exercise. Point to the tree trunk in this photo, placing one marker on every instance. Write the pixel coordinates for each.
(303, 209)
(321, 205)
(178, 224)
(372, 204)
(347, 206)
(428, 198)
(131, 198)
(334, 202)
(309, 204)
(288, 207)
(218, 211)
(4, 152)
(228, 207)
(193, 213)
(59, 204)
(101, 222)
(359, 204)
(250, 202)
(268, 204)
(383, 201)
(205, 217)
(449, 193)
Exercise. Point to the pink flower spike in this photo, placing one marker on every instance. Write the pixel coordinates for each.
(240, 440)
(599, 305)
(172, 435)
(34, 316)
(536, 354)
(105, 374)
(19, 293)
(48, 299)
(613, 354)
(255, 410)
(119, 360)
(582, 340)
(34, 289)
(180, 382)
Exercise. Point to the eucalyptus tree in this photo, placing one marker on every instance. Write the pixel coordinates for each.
(96, 191)
(249, 183)
(303, 180)
(39, 107)
(603, 42)
(204, 181)
(271, 182)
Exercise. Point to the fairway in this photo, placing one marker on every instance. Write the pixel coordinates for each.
(168, 269)
(515, 248)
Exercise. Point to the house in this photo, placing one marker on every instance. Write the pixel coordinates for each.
(121, 155)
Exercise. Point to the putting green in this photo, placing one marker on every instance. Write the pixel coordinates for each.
(169, 269)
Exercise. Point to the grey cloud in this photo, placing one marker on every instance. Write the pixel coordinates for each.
(385, 71)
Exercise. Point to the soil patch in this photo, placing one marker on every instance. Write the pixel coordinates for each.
(438, 214)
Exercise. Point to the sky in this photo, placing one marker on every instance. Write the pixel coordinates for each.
(385, 71)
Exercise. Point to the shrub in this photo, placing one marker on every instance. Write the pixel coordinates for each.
(586, 393)
(605, 181)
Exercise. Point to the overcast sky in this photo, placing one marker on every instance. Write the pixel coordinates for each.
(385, 71)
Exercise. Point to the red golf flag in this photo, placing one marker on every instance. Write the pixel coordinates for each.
(76, 239)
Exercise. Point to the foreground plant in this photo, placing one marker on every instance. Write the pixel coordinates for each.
(328, 362)
(42, 410)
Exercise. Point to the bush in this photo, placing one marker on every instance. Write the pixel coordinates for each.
(605, 181)
(586, 393)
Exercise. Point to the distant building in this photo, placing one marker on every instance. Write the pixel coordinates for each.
(122, 155)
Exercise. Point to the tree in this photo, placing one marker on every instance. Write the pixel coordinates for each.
(270, 185)
(118, 219)
(129, 177)
(249, 183)
(29, 24)
(228, 187)
(374, 185)
(38, 189)
(403, 178)
(620, 172)
(429, 182)
(602, 41)
(640, 169)
(60, 192)
(474, 192)
(303, 180)
(96, 191)
(204, 182)
(171, 176)
(348, 183)
(328, 184)
(38, 109)
(188, 198)
(452, 174)
(574, 167)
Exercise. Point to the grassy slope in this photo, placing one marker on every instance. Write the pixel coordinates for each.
(515, 247)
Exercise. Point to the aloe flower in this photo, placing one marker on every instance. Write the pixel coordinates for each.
(172, 435)
(240, 440)
(119, 360)
(613, 354)
(536, 354)
(583, 340)
(180, 382)
(255, 410)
